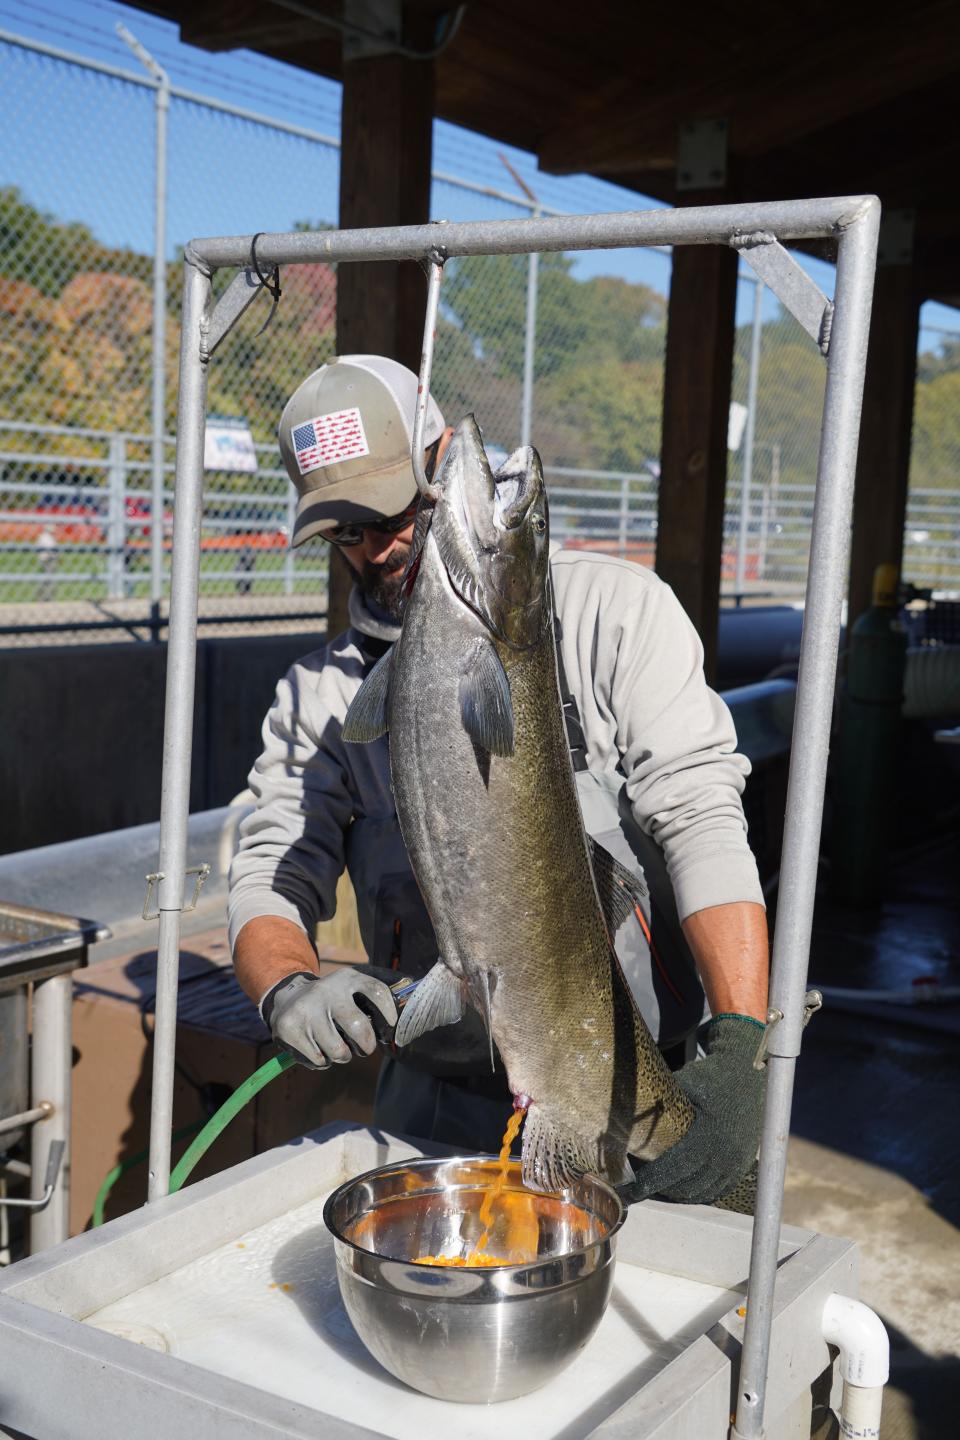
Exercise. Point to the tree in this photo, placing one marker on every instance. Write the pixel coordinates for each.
(47, 253)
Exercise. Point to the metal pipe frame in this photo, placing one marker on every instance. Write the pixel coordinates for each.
(826, 582)
(178, 714)
(853, 221)
(749, 438)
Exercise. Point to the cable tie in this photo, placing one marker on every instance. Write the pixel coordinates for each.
(270, 283)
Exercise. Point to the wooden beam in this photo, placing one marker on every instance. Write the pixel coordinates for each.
(386, 140)
(252, 25)
(883, 465)
(698, 373)
(777, 88)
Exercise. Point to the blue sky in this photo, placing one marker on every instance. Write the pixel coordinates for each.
(81, 147)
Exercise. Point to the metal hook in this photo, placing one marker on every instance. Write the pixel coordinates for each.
(435, 262)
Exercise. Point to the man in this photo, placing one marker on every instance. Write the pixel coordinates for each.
(657, 773)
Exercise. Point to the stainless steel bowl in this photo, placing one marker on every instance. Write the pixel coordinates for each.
(463, 1333)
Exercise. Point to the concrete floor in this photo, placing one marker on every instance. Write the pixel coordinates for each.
(875, 1153)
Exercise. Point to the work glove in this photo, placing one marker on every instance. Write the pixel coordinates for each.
(329, 1018)
(714, 1161)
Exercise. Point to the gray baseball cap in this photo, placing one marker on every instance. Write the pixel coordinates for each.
(345, 437)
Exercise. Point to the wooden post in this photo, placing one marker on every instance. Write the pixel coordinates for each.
(698, 374)
(385, 156)
(883, 464)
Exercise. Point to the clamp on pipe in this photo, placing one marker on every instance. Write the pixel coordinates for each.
(864, 1363)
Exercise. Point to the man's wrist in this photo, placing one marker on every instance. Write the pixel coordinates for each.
(738, 1015)
(268, 998)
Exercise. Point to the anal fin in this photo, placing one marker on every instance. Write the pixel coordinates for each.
(437, 1000)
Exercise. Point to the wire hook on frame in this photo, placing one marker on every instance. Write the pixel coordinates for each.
(270, 283)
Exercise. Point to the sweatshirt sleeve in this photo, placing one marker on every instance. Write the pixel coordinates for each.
(649, 711)
(291, 851)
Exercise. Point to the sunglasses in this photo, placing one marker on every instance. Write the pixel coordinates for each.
(347, 536)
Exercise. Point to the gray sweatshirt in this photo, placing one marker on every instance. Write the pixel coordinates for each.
(634, 665)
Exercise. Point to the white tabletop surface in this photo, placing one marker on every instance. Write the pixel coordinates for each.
(266, 1310)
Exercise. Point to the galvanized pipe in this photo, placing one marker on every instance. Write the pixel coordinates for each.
(178, 716)
(529, 343)
(746, 473)
(829, 553)
(435, 274)
(51, 1063)
(698, 225)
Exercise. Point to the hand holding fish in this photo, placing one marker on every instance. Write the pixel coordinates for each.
(720, 1148)
(318, 1018)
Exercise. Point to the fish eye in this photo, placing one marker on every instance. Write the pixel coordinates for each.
(539, 523)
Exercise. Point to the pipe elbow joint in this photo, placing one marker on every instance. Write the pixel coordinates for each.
(862, 1340)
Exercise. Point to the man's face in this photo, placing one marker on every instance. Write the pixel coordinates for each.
(379, 561)
(380, 556)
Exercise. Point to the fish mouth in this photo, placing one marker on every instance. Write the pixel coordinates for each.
(516, 486)
(491, 534)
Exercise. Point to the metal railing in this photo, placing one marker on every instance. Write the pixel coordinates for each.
(76, 509)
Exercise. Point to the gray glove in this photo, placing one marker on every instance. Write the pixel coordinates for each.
(713, 1162)
(319, 1020)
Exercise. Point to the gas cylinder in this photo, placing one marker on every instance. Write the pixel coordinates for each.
(868, 749)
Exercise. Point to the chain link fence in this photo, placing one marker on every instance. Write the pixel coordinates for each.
(541, 352)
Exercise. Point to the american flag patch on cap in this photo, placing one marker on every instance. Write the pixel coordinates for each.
(328, 439)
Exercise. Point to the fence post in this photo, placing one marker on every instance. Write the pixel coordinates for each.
(747, 473)
(764, 527)
(116, 517)
(157, 443)
(624, 515)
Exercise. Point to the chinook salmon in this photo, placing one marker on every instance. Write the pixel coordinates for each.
(523, 903)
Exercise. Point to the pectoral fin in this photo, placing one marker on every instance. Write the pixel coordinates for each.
(619, 889)
(437, 1000)
(366, 717)
(485, 705)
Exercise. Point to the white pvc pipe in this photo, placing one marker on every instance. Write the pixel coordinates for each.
(51, 1067)
(864, 1347)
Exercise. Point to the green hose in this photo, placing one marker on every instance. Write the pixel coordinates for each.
(103, 1194)
(215, 1126)
(217, 1123)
